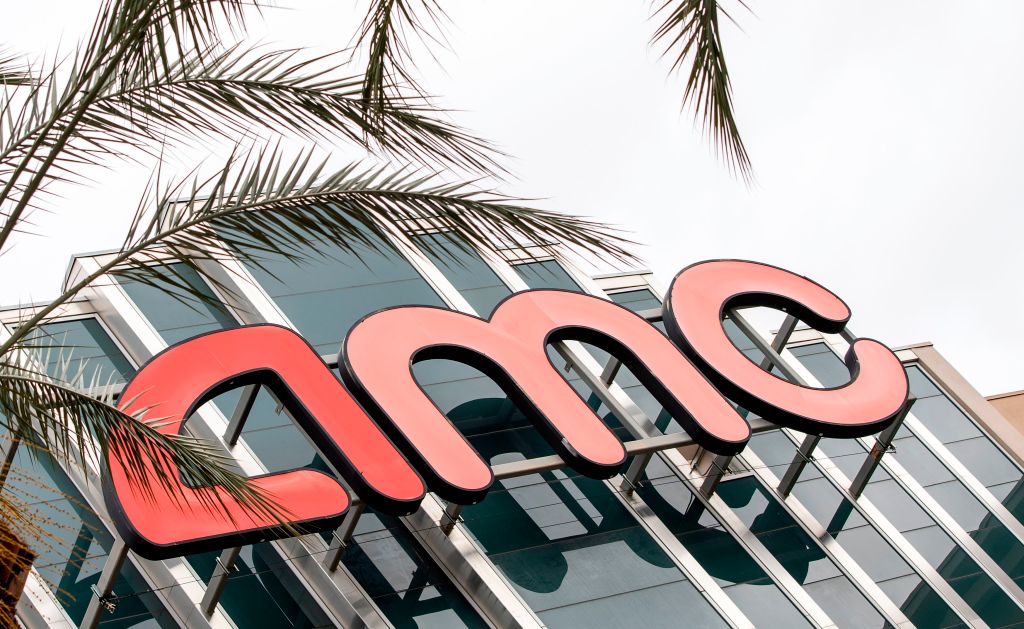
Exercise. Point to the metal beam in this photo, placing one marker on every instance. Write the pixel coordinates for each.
(635, 447)
(796, 467)
(636, 470)
(241, 413)
(452, 511)
(100, 600)
(343, 535)
(719, 465)
(219, 579)
(882, 444)
(780, 340)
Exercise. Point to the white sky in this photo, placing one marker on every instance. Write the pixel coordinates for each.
(885, 136)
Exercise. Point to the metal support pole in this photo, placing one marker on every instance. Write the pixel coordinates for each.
(635, 471)
(610, 370)
(225, 564)
(882, 444)
(343, 535)
(237, 421)
(100, 600)
(715, 473)
(800, 460)
(780, 340)
(771, 354)
(451, 517)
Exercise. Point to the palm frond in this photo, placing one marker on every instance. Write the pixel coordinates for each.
(235, 91)
(38, 409)
(384, 34)
(264, 203)
(13, 72)
(691, 29)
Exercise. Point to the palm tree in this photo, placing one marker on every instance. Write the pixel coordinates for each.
(155, 74)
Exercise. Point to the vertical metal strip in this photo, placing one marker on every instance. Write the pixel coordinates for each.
(831, 547)
(105, 586)
(878, 520)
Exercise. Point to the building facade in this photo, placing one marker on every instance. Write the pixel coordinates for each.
(921, 525)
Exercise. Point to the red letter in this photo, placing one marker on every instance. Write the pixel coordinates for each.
(511, 349)
(697, 301)
(173, 384)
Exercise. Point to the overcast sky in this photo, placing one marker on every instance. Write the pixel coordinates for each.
(885, 137)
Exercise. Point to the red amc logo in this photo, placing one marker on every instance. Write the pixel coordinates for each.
(391, 444)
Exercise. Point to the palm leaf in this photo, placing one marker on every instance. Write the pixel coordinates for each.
(384, 34)
(36, 408)
(690, 29)
(13, 72)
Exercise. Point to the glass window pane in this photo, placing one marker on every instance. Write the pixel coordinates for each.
(71, 556)
(924, 466)
(921, 386)
(175, 314)
(261, 590)
(825, 365)
(546, 274)
(944, 419)
(568, 545)
(465, 269)
(326, 296)
(798, 553)
(80, 348)
(984, 460)
(637, 300)
(717, 551)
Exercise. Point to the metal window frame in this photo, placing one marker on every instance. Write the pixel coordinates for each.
(931, 507)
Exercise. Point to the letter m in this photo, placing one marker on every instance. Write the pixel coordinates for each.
(510, 348)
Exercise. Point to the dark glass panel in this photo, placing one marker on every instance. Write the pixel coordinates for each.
(896, 505)
(261, 590)
(716, 550)
(848, 455)
(991, 603)
(924, 466)
(797, 552)
(324, 297)
(920, 603)
(824, 364)
(465, 269)
(174, 313)
(546, 274)
(966, 510)
(383, 556)
(921, 386)
(565, 541)
(983, 459)
(402, 580)
(944, 419)
(81, 345)
(71, 557)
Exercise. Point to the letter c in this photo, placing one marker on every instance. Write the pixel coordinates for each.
(697, 301)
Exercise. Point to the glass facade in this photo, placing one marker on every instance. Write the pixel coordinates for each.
(926, 544)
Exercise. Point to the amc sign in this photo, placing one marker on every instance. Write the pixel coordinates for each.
(391, 444)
